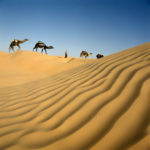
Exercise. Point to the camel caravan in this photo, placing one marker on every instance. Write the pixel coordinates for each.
(44, 47)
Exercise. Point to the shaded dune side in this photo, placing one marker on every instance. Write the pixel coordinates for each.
(102, 104)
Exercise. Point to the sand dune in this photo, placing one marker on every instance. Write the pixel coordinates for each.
(53, 103)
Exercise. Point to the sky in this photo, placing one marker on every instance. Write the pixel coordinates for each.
(98, 26)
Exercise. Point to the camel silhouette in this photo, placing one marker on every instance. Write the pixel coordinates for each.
(85, 54)
(17, 43)
(99, 56)
(42, 45)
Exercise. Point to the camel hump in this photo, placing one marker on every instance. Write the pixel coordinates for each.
(84, 52)
(14, 41)
(40, 42)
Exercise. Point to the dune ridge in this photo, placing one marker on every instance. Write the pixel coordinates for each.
(75, 104)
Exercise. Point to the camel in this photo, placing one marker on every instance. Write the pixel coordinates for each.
(85, 54)
(17, 43)
(99, 56)
(42, 45)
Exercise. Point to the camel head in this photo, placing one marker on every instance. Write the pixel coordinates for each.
(50, 47)
(90, 54)
(25, 40)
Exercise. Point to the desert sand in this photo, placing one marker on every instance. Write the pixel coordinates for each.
(53, 103)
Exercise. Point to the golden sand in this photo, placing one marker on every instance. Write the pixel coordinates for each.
(53, 103)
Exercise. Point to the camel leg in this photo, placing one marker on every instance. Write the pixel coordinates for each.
(45, 51)
(19, 48)
(35, 48)
(42, 51)
(11, 48)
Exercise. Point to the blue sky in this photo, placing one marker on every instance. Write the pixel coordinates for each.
(98, 26)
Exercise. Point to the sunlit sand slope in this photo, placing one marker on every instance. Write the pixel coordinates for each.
(25, 66)
(88, 104)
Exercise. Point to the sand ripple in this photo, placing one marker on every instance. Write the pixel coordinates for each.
(98, 105)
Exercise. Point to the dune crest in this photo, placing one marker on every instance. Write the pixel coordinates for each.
(53, 103)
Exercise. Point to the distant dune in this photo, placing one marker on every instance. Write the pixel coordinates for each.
(53, 103)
